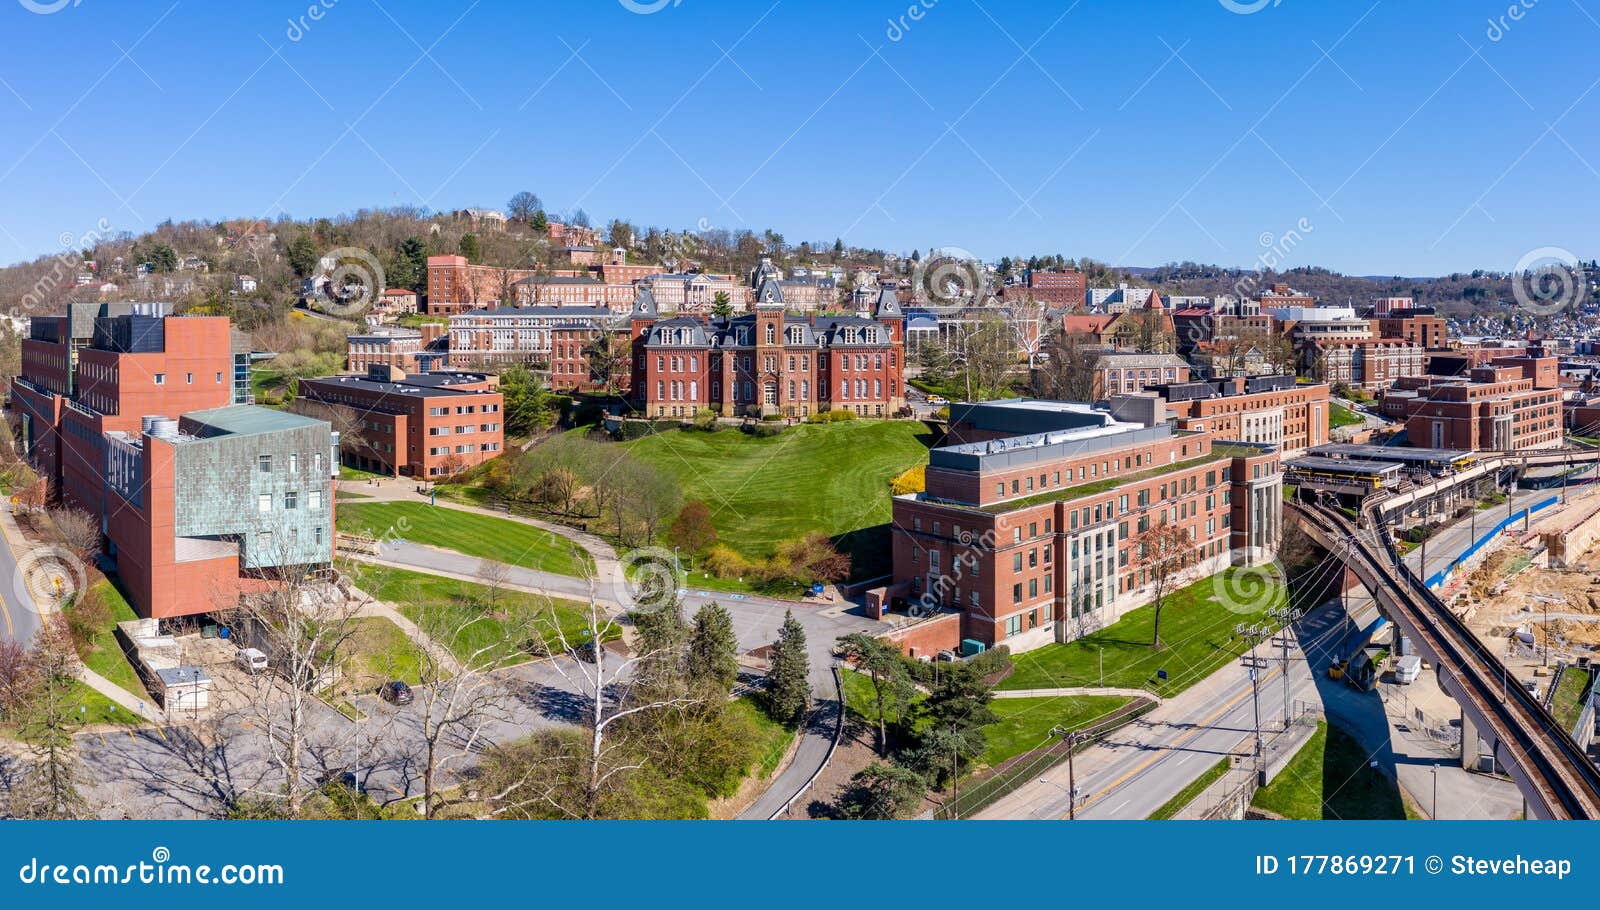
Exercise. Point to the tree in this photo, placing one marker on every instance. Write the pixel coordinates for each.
(892, 689)
(1067, 373)
(1165, 550)
(410, 268)
(302, 255)
(722, 305)
(540, 222)
(620, 234)
(713, 661)
(49, 715)
(523, 206)
(1028, 319)
(78, 530)
(693, 531)
(789, 692)
(304, 627)
(470, 247)
(663, 635)
(579, 218)
(607, 359)
(956, 711)
(881, 791)
(525, 401)
(983, 356)
(457, 700)
(163, 259)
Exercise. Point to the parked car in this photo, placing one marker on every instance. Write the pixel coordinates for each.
(250, 660)
(395, 692)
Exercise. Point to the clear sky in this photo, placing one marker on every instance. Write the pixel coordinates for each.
(1411, 138)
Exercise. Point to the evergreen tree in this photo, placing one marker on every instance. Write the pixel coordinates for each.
(541, 222)
(470, 247)
(302, 255)
(957, 710)
(891, 682)
(881, 791)
(721, 305)
(663, 635)
(789, 694)
(713, 649)
(412, 261)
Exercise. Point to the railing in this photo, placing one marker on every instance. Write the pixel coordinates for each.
(838, 732)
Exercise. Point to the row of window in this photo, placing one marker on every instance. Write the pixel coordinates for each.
(291, 501)
(264, 462)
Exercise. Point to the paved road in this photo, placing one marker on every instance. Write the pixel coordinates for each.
(19, 618)
(756, 621)
(1132, 772)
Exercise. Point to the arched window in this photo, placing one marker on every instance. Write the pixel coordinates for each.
(771, 333)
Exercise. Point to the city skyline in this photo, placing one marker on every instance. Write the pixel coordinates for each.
(1393, 141)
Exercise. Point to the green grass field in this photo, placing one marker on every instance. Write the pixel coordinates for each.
(1196, 634)
(478, 535)
(379, 652)
(102, 654)
(1341, 416)
(1329, 779)
(1567, 703)
(772, 738)
(476, 627)
(832, 478)
(1025, 723)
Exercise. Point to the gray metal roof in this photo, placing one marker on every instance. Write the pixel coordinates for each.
(243, 420)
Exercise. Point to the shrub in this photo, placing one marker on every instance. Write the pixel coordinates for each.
(772, 417)
(89, 616)
(637, 429)
(840, 414)
(706, 419)
(943, 413)
(762, 430)
(913, 480)
(726, 562)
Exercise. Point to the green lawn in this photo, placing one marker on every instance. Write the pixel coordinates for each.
(1567, 703)
(102, 654)
(1107, 483)
(379, 652)
(831, 477)
(1187, 795)
(1329, 779)
(97, 709)
(772, 738)
(1341, 416)
(478, 535)
(346, 472)
(1025, 723)
(480, 628)
(1196, 634)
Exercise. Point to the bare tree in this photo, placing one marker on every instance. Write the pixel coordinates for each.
(494, 576)
(458, 698)
(1165, 550)
(1029, 321)
(613, 688)
(305, 626)
(78, 531)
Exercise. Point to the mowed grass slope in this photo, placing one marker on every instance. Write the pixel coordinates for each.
(474, 534)
(832, 478)
(1197, 626)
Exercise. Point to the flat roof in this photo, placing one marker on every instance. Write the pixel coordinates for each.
(420, 384)
(1405, 454)
(1343, 465)
(248, 419)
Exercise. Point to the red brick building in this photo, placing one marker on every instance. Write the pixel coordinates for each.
(770, 361)
(1268, 410)
(130, 415)
(1032, 534)
(1064, 288)
(408, 350)
(1515, 405)
(420, 425)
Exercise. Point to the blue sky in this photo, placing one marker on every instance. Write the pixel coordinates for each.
(1407, 137)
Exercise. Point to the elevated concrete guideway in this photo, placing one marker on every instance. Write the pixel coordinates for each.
(1555, 776)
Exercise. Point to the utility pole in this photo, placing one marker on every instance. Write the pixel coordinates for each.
(1072, 738)
(1254, 634)
(1288, 616)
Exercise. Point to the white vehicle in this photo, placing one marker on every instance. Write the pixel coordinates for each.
(250, 659)
(1407, 669)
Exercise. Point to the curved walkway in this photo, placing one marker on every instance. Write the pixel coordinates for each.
(819, 737)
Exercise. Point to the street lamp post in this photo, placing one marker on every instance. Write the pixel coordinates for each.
(1254, 634)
